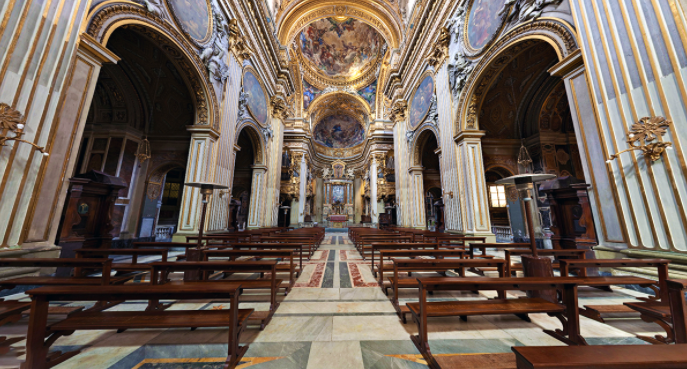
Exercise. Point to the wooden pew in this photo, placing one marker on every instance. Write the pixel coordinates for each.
(499, 246)
(566, 312)
(233, 255)
(512, 268)
(379, 246)
(410, 253)
(309, 244)
(654, 309)
(294, 247)
(134, 266)
(160, 275)
(434, 265)
(37, 346)
(617, 356)
(364, 244)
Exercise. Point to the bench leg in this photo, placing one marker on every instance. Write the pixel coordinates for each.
(524, 317)
(658, 339)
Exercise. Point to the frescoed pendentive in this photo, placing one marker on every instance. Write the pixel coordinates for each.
(340, 49)
(484, 21)
(310, 93)
(339, 131)
(257, 102)
(368, 93)
(421, 101)
(193, 16)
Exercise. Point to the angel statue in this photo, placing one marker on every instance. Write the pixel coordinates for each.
(326, 172)
(350, 173)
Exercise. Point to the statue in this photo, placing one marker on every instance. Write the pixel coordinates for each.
(214, 55)
(409, 136)
(326, 172)
(527, 9)
(153, 6)
(243, 101)
(350, 173)
(459, 71)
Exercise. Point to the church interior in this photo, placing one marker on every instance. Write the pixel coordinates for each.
(348, 184)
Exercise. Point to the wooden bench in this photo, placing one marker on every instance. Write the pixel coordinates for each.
(364, 243)
(41, 335)
(410, 253)
(133, 266)
(309, 244)
(160, 275)
(516, 267)
(499, 246)
(387, 246)
(233, 255)
(294, 247)
(653, 309)
(433, 265)
(617, 356)
(566, 312)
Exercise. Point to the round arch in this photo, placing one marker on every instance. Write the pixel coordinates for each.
(555, 32)
(423, 134)
(109, 16)
(300, 14)
(157, 175)
(253, 131)
(314, 105)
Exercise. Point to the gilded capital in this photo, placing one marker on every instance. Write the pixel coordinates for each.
(439, 50)
(399, 110)
(237, 43)
(278, 106)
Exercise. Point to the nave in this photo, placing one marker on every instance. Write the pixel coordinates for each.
(335, 316)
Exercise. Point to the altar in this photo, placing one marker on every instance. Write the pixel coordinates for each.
(338, 195)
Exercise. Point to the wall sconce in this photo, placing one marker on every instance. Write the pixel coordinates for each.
(12, 120)
(223, 193)
(647, 130)
(143, 151)
(450, 194)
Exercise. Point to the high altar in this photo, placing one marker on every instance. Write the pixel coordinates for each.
(338, 195)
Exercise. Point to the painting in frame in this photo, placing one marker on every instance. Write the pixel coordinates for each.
(422, 99)
(484, 22)
(194, 17)
(256, 100)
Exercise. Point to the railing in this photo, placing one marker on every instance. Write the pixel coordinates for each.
(503, 233)
(164, 232)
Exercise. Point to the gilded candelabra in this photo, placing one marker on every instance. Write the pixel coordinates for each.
(643, 133)
(11, 120)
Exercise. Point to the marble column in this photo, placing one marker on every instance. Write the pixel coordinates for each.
(472, 183)
(200, 160)
(301, 190)
(256, 196)
(373, 191)
(417, 199)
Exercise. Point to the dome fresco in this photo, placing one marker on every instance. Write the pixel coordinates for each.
(339, 131)
(340, 48)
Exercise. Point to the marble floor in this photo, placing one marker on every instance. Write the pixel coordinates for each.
(335, 317)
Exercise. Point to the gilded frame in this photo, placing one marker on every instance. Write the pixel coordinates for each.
(423, 78)
(466, 41)
(246, 70)
(177, 22)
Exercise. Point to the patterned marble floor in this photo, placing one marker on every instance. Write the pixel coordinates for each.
(336, 317)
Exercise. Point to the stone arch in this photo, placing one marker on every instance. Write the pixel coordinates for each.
(154, 181)
(253, 131)
(109, 16)
(423, 134)
(556, 33)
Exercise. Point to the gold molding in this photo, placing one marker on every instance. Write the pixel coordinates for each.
(96, 49)
(399, 111)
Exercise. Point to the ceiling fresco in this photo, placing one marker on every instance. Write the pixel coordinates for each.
(310, 93)
(340, 48)
(368, 93)
(339, 131)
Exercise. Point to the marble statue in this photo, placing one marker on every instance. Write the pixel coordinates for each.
(459, 71)
(326, 172)
(153, 6)
(527, 9)
(214, 55)
(350, 173)
(243, 101)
